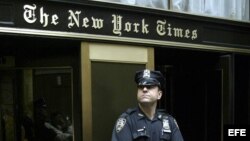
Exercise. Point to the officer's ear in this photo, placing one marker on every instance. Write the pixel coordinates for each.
(159, 94)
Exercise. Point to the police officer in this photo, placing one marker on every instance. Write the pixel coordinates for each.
(145, 122)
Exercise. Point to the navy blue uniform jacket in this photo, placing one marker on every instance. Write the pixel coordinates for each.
(133, 125)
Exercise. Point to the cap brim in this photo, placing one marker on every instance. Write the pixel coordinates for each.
(148, 81)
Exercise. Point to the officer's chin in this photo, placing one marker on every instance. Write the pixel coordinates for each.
(144, 99)
(145, 102)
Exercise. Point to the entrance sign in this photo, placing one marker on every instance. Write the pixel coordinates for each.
(87, 19)
(90, 21)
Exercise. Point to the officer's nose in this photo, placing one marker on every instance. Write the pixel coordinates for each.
(145, 88)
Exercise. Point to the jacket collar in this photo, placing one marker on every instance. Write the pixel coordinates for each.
(140, 115)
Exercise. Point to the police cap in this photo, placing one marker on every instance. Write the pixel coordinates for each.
(149, 77)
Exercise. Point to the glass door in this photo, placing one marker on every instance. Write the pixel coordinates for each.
(36, 104)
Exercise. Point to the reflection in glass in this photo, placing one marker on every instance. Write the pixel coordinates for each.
(36, 105)
(231, 9)
(158, 4)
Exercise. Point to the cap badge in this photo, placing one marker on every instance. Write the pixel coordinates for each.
(146, 73)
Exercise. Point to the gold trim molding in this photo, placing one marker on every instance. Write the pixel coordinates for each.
(122, 39)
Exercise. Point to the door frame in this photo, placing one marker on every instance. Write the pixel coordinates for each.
(102, 52)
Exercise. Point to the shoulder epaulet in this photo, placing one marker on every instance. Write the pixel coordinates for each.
(130, 111)
(167, 116)
(162, 112)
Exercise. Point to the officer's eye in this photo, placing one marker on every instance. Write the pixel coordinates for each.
(145, 86)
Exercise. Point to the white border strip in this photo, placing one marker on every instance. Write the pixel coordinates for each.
(123, 39)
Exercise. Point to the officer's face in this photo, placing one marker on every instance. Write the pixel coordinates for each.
(148, 94)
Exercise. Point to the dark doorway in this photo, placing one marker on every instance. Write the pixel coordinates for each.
(34, 69)
(193, 91)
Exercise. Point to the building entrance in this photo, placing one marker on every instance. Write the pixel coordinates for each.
(196, 82)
